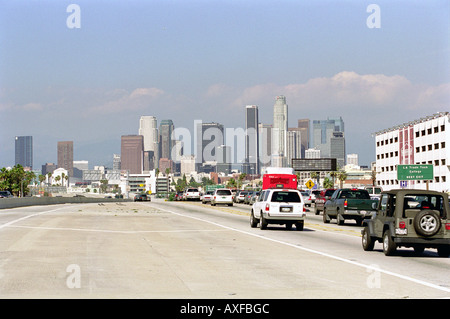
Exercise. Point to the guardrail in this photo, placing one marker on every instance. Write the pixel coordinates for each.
(36, 201)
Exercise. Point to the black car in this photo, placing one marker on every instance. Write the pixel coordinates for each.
(5, 194)
(141, 198)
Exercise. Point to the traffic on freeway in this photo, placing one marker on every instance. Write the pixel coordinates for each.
(186, 249)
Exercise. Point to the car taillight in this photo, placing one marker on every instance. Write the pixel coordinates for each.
(402, 225)
(304, 209)
(267, 207)
(447, 226)
(345, 204)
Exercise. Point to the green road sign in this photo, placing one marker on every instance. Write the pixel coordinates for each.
(415, 172)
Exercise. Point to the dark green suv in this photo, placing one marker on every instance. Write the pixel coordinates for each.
(410, 218)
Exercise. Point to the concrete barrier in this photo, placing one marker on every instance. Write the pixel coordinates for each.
(34, 201)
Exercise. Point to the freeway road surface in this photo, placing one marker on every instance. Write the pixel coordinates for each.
(164, 249)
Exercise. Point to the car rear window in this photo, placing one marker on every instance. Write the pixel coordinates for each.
(192, 190)
(223, 192)
(355, 194)
(280, 196)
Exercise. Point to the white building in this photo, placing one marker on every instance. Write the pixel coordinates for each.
(352, 159)
(423, 141)
(279, 131)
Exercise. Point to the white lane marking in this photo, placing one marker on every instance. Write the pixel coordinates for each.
(29, 216)
(420, 282)
(120, 231)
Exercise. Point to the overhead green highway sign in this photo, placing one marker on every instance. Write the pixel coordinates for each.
(415, 172)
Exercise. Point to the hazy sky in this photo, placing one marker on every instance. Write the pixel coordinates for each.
(189, 60)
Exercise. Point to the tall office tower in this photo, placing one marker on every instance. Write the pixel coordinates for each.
(223, 159)
(148, 128)
(337, 148)
(24, 151)
(252, 164)
(294, 145)
(280, 121)
(132, 153)
(265, 144)
(303, 126)
(165, 138)
(116, 162)
(324, 136)
(65, 156)
(209, 136)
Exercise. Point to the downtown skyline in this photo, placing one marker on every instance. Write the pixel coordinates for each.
(200, 60)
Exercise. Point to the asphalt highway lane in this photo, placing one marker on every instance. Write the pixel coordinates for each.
(189, 250)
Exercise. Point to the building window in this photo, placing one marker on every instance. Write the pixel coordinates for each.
(429, 131)
(442, 128)
(442, 144)
(436, 129)
(436, 146)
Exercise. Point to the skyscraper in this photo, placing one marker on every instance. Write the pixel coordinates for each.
(148, 128)
(252, 163)
(24, 151)
(328, 137)
(131, 153)
(279, 131)
(209, 136)
(65, 156)
(303, 125)
(165, 138)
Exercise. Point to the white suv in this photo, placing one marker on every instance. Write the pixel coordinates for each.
(222, 196)
(191, 194)
(278, 206)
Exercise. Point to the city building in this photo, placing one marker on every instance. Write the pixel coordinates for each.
(279, 131)
(132, 153)
(303, 126)
(328, 137)
(165, 139)
(65, 156)
(352, 159)
(48, 168)
(116, 162)
(166, 164)
(148, 128)
(422, 141)
(208, 137)
(24, 151)
(224, 160)
(251, 163)
(187, 164)
(294, 145)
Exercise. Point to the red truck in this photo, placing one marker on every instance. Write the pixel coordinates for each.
(322, 198)
(279, 177)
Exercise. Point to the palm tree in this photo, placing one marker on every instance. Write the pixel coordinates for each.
(63, 175)
(342, 176)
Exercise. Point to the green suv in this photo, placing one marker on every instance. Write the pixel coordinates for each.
(410, 218)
